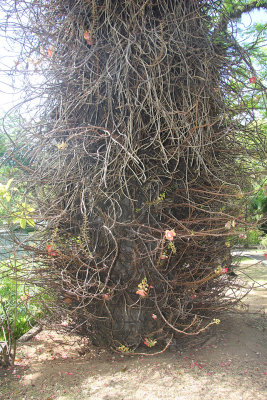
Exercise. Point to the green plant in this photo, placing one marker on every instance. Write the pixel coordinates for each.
(263, 242)
(21, 304)
(258, 204)
(13, 296)
(17, 210)
(252, 237)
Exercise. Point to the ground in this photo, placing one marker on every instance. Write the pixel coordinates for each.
(228, 362)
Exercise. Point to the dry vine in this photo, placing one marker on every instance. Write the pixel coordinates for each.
(133, 162)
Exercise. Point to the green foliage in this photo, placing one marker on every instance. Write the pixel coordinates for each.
(23, 215)
(258, 206)
(4, 191)
(20, 304)
(235, 8)
(17, 210)
(263, 242)
(254, 238)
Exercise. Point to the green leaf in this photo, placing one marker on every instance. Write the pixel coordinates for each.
(30, 222)
(9, 183)
(23, 223)
(2, 189)
(7, 196)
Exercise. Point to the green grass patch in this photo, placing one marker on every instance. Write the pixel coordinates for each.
(240, 259)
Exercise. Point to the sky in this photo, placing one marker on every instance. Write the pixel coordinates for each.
(8, 56)
(259, 16)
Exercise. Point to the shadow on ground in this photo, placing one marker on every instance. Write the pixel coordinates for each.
(228, 362)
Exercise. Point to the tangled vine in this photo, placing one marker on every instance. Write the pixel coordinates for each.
(133, 162)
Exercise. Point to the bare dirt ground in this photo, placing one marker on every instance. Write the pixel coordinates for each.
(228, 362)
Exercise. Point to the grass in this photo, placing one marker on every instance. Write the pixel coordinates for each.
(240, 259)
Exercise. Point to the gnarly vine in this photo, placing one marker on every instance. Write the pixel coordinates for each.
(133, 162)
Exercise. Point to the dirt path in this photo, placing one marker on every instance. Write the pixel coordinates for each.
(228, 363)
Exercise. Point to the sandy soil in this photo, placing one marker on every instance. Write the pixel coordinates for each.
(227, 363)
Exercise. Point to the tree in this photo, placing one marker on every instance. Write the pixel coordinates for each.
(134, 161)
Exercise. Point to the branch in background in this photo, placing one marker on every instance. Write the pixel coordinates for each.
(236, 12)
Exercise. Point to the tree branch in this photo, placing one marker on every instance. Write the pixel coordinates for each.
(237, 11)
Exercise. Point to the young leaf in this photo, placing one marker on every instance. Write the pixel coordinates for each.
(23, 223)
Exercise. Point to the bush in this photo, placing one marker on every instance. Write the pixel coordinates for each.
(263, 242)
(249, 238)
